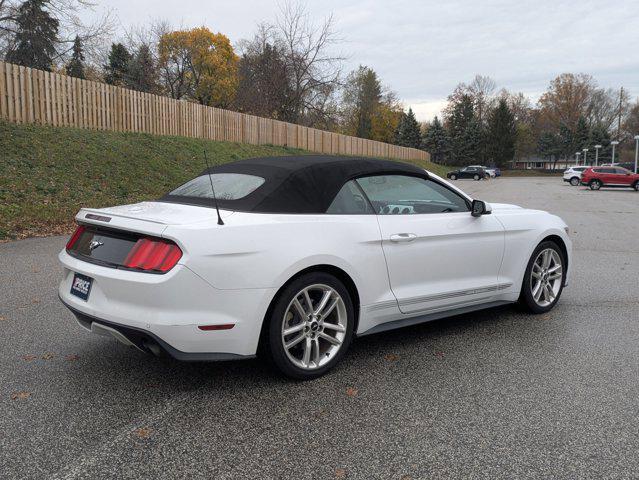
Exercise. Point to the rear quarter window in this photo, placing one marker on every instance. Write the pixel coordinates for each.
(228, 186)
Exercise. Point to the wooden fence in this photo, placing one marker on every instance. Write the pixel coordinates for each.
(35, 96)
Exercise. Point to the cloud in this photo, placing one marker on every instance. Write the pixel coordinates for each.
(422, 49)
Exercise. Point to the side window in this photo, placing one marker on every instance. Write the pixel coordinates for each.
(349, 200)
(406, 195)
(621, 171)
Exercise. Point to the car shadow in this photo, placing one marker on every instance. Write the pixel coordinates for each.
(139, 371)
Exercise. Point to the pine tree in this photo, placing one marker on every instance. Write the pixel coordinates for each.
(582, 135)
(408, 132)
(117, 70)
(566, 141)
(501, 135)
(142, 71)
(436, 142)
(600, 136)
(464, 131)
(36, 36)
(469, 144)
(75, 67)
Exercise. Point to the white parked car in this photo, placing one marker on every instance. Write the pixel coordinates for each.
(304, 254)
(492, 173)
(572, 175)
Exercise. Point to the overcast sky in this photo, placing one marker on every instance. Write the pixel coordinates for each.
(422, 49)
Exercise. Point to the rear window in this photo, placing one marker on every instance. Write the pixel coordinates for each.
(228, 186)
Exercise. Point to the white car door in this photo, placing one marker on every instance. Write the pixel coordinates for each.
(439, 256)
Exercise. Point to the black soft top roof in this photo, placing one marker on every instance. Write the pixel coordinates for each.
(298, 184)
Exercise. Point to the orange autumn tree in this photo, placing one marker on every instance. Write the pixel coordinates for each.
(199, 64)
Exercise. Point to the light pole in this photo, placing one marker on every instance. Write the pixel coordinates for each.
(597, 147)
(636, 151)
(585, 156)
(614, 143)
(577, 156)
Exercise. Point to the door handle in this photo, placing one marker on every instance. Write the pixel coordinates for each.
(403, 237)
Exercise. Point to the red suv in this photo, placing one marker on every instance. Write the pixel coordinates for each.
(597, 177)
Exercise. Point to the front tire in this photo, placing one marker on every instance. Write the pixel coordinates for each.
(544, 278)
(311, 326)
(574, 181)
(595, 185)
(636, 186)
(453, 177)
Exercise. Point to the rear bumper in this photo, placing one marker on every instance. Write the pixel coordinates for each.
(168, 309)
(145, 340)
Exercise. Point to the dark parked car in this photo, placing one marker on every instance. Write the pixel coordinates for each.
(628, 166)
(476, 173)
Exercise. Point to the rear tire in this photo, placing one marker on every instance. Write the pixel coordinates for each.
(636, 186)
(544, 278)
(319, 337)
(453, 177)
(595, 185)
(476, 177)
(574, 181)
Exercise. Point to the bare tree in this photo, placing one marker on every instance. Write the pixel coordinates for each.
(67, 12)
(482, 90)
(315, 68)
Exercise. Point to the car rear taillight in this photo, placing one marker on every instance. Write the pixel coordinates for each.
(153, 254)
(75, 236)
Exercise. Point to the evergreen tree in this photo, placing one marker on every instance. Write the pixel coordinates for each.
(549, 145)
(600, 136)
(501, 135)
(36, 36)
(582, 135)
(464, 131)
(469, 144)
(566, 141)
(408, 133)
(75, 67)
(142, 71)
(117, 70)
(436, 142)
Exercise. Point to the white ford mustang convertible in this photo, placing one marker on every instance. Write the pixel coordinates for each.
(294, 256)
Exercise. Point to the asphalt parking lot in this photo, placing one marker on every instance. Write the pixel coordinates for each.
(495, 394)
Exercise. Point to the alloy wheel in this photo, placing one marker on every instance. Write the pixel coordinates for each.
(546, 277)
(595, 185)
(574, 181)
(314, 326)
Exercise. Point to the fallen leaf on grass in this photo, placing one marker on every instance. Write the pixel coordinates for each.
(29, 358)
(391, 357)
(406, 477)
(351, 391)
(48, 356)
(320, 413)
(72, 357)
(142, 432)
(340, 473)
(20, 395)
(2, 319)
(439, 354)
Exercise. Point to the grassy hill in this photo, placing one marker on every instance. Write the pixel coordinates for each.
(48, 173)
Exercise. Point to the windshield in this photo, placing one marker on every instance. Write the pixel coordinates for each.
(228, 186)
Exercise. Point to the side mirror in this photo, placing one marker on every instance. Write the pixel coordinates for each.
(479, 208)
